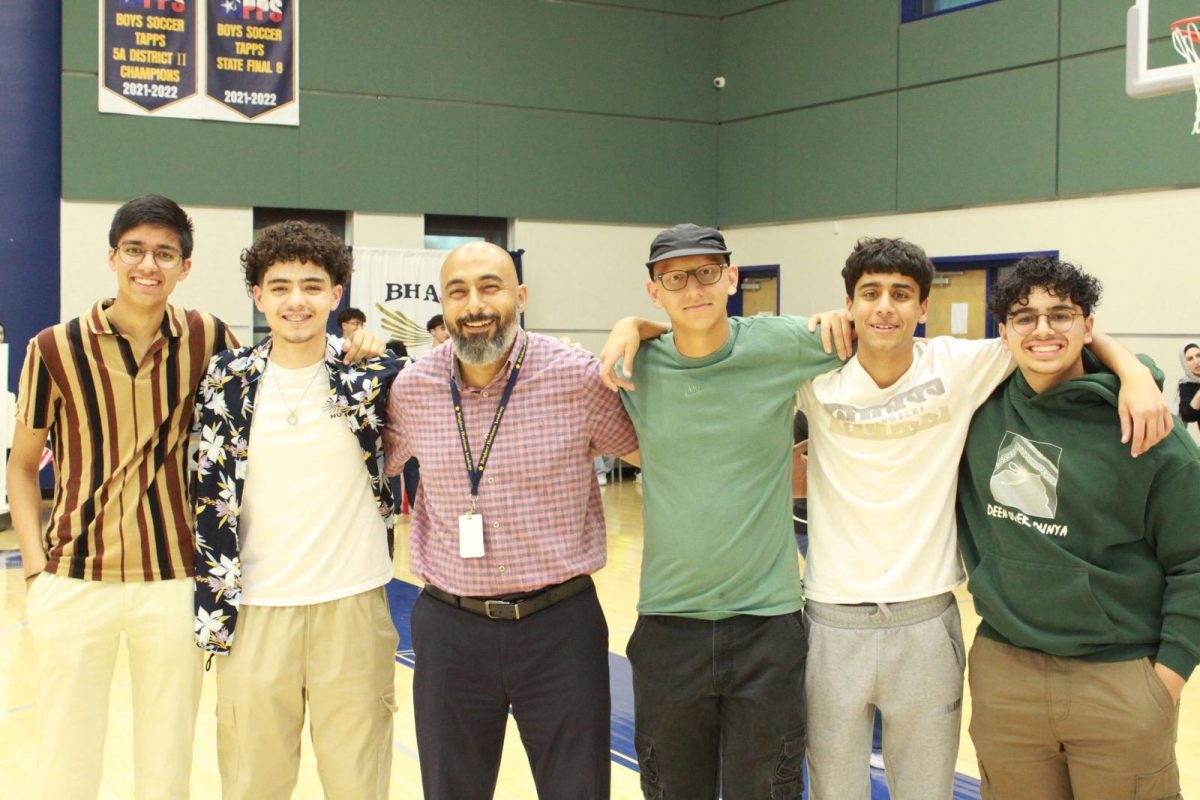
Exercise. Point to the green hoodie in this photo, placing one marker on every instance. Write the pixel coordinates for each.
(1072, 547)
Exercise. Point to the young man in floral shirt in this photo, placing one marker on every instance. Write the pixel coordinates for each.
(296, 557)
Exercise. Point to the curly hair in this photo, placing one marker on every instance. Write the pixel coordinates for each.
(296, 240)
(1060, 278)
(888, 255)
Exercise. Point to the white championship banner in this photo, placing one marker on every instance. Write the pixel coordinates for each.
(398, 291)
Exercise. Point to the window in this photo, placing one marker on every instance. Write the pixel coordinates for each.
(913, 10)
(446, 232)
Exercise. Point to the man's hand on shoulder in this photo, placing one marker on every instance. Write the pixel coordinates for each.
(623, 343)
(1145, 413)
(837, 331)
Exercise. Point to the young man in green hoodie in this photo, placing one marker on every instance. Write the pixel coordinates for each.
(1083, 563)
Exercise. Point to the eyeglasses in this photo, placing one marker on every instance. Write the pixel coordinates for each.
(706, 275)
(1060, 320)
(134, 254)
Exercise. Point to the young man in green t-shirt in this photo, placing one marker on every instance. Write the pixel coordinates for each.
(719, 649)
(1083, 563)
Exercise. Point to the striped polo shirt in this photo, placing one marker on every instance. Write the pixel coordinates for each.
(119, 432)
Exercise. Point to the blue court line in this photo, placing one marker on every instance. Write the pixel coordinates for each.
(402, 595)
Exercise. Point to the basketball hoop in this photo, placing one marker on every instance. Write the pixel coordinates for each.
(1185, 35)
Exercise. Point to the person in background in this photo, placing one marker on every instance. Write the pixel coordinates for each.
(399, 349)
(1187, 396)
(351, 320)
(437, 329)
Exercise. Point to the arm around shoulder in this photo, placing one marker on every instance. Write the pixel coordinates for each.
(623, 344)
(1145, 414)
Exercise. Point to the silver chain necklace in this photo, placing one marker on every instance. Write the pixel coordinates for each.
(292, 419)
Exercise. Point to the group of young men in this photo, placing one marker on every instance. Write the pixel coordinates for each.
(887, 430)
(1082, 569)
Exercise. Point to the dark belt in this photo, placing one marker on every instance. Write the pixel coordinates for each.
(512, 609)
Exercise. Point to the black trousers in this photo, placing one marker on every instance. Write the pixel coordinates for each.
(551, 668)
(719, 706)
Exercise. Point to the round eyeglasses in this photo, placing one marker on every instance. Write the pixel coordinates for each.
(706, 275)
(134, 254)
(1060, 320)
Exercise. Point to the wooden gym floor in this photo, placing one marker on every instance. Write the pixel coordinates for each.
(617, 585)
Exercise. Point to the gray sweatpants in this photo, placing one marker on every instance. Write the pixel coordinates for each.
(907, 660)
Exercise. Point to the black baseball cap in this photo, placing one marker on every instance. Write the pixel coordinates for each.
(686, 239)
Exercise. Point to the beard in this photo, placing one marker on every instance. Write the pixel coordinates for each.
(481, 350)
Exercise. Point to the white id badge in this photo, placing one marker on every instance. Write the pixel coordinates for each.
(470, 536)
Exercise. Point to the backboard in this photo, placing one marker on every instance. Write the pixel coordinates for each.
(1140, 80)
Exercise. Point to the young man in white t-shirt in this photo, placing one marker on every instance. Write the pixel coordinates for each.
(293, 535)
(886, 431)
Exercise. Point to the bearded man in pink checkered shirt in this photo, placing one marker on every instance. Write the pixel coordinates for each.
(507, 528)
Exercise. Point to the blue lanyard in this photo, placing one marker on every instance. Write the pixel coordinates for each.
(475, 473)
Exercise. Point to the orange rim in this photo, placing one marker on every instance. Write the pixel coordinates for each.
(1180, 26)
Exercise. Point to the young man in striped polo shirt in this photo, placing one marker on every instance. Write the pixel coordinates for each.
(113, 390)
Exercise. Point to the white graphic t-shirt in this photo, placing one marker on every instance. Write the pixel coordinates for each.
(883, 468)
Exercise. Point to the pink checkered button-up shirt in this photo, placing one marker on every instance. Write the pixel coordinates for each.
(542, 516)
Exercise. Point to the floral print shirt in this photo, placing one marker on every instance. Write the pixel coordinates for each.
(220, 440)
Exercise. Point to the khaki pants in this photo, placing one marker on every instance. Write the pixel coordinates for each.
(340, 658)
(1050, 728)
(76, 627)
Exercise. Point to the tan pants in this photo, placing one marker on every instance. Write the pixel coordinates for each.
(76, 627)
(340, 657)
(1050, 728)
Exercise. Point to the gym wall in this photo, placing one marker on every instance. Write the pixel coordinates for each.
(592, 125)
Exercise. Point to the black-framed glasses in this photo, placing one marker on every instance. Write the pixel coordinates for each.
(134, 254)
(1060, 320)
(706, 275)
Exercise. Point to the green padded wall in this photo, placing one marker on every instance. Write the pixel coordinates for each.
(747, 170)
(837, 160)
(605, 111)
(521, 108)
(987, 139)
(836, 108)
(1001, 35)
(1089, 25)
(1110, 142)
(795, 54)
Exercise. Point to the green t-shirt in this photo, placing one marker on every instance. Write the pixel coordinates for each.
(715, 436)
